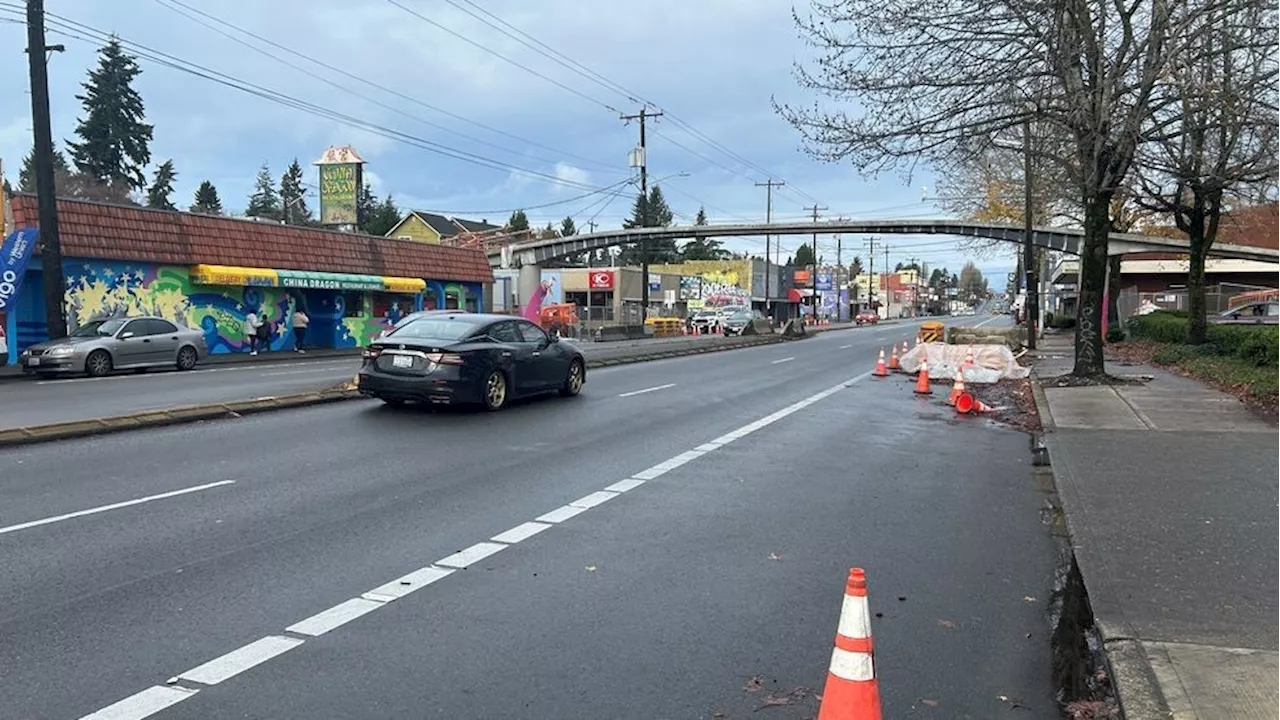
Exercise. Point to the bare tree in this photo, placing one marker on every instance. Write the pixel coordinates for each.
(930, 77)
(1211, 138)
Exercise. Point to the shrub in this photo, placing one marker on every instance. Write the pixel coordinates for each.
(1115, 335)
(1233, 372)
(1160, 326)
(1257, 345)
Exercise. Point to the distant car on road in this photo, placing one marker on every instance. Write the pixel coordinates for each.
(737, 322)
(469, 358)
(1262, 313)
(866, 316)
(128, 343)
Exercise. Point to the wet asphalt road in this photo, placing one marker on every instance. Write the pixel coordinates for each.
(663, 602)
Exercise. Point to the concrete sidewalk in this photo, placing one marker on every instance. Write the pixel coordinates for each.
(1170, 493)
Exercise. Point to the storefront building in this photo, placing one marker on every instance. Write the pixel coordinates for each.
(209, 272)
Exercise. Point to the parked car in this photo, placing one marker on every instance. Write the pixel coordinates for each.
(128, 343)
(1261, 313)
(705, 321)
(866, 316)
(737, 322)
(469, 358)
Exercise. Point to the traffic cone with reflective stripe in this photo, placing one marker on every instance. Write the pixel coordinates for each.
(967, 403)
(922, 380)
(893, 359)
(904, 347)
(880, 370)
(852, 691)
(968, 357)
(957, 388)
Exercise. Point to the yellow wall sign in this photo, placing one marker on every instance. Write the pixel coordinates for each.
(339, 190)
(404, 285)
(233, 276)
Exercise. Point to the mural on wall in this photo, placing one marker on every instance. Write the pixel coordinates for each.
(713, 283)
(723, 288)
(98, 289)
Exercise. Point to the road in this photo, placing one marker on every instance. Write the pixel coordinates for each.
(29, 401)
(770, 471)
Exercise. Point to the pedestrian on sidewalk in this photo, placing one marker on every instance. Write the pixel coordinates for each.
(300, 322)
(251, 327)
(264, 333)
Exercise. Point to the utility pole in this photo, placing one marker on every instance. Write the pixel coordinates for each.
(643, 164)
(871, 274)
(813, 275)
(887, 297)
(915, 286)
(769, 185)
(1028, 254)
(839, 285)
(42, 159)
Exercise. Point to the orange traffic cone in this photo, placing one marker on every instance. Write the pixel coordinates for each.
(922, 380)
(880, 370)
(893, 359)
(967, 403)
(904, 347)
(852, 691)
(957, 388)
(968, 356)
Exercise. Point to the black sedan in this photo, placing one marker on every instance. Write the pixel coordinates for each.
(469, 358)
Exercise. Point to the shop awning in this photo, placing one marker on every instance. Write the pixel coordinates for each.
(302, 279)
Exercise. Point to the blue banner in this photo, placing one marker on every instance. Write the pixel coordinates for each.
(822, 282)
(15, 253)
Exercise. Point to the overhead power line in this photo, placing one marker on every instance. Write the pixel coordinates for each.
(73, 29)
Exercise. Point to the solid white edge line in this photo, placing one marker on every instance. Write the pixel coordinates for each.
(243, 658)
(647, 390)
(624, 485)
(560, 514)
(594, 499)
(472, 555)
(336, 616)
(143, 704)
(708, 446)
(520, 533)
(113, 506)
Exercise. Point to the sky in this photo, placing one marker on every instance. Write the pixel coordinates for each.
(453, 115)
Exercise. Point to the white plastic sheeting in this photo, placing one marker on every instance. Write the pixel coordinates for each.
(991, 363)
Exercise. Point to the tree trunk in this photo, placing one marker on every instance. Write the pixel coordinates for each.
(1195, 281)
(1113, 291)
(1093, 278)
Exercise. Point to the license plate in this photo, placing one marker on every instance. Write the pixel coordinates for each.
(33, 361)
(401, 361)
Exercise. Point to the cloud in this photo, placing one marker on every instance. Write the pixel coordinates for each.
(570, 174)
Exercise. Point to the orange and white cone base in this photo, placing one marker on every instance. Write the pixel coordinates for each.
(922, 380)
(893, 359)
(967, 403)
(881, 370)
(957, 388)
(852, 691)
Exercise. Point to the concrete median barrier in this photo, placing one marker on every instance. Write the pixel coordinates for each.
(596, 358)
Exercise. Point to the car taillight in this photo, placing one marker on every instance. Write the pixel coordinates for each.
(372, 353)
(445, 358)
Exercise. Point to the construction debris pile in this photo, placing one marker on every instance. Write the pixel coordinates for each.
(977, 364)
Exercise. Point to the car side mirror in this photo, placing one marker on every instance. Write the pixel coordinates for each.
(126, 335)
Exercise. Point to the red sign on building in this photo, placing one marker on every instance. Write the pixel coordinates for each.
(600, 280)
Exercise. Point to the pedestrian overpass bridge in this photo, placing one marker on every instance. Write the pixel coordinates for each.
(1065, 240)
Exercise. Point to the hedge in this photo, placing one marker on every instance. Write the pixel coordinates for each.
(1257, 345)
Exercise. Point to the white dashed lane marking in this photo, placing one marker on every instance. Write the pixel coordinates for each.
(785, 359)
(157, 698)
(647, 390)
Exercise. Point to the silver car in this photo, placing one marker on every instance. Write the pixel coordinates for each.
(130, 343)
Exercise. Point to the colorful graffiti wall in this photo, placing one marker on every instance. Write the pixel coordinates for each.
(712, 282)
(338, 319)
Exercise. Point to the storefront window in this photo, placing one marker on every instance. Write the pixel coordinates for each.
(354, 304)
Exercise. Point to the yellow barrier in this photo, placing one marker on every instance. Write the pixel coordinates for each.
(665, 326)
(932, 331)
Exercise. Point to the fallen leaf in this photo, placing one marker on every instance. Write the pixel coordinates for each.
(1012, 702)
(591, 568)
(755, 684)
(947, 624)
(774, 556)
(775, 701)
(930, 702)
(1028, 598)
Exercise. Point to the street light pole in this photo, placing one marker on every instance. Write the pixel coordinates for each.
(1032, 307)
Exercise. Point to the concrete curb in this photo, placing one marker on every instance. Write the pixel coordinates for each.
(1132, 674)
(193, 413)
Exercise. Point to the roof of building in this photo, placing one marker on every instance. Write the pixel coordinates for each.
(450, 226)
(98, 230)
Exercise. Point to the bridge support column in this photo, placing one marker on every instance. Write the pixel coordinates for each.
(527, 284)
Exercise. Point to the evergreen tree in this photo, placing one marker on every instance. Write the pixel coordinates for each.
(265, 201)
(114, 144)
(804, 256)
(703, 248)
(366, 209)
(293, 197)
(651, 211)
(382, 217)
(568, 227)
(518, 222)
(206, 200)
(855, 267)
(63, 177)
(162, 187)
(548, 232)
